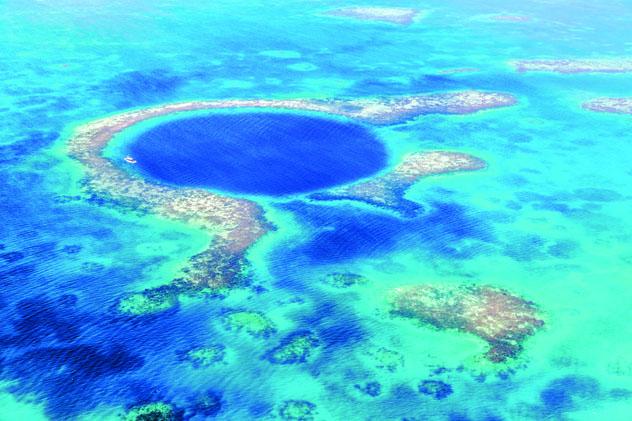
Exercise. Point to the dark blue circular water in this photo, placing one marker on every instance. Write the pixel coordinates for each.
(258, 153)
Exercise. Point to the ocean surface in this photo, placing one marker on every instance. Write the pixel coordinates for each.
(549, 218)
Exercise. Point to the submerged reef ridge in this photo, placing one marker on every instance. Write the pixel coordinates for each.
(387, 191)
(397, 15)
(235, 224)
(575, 66)
(503, 320)
(610, 105)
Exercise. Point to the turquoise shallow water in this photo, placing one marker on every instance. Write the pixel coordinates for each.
(548, 219)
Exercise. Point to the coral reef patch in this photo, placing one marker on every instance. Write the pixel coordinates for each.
(157, 411)
(386, 359)
(503, 320)
(575, 66)
(397, 15)
(387, 191)
(297, 410)
(207, 405)
(149, 301)
(458, 70)
(252, 322)
(293, 349)
(344, 280)
(610, 105)
(392, 110)
(511, 18)
(435, 388)
(205, 356)
(372, 389)
(574, 392)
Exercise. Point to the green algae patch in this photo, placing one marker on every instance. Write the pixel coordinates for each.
(206, 356)
(157, 411)
(501, 319)
(293, 349)
(344, 279)
(252, 322)
(298, 410)
(148, 302)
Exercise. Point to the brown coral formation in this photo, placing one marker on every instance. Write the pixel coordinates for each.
(388, 190)
(610, 105)
(575, 66)
(234, 223)
(503, 320)
(397, 15)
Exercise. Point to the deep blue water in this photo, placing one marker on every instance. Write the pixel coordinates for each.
(258, 153)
